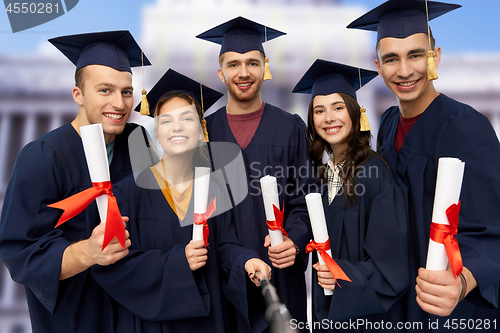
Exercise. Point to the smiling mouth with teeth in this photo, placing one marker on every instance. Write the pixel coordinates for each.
(244, 84)
(113, 116)
(333, 130)
(406, 84)
(178, 138)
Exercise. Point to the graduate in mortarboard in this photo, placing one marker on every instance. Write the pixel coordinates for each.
(168, 282)
(273, 142)
(364, 209)
(424, 126)
(53, 263)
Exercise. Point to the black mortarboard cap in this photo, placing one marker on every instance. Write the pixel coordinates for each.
(240, 35)
(401, 18)
(115, 49)
(173, 81)
(326, 77)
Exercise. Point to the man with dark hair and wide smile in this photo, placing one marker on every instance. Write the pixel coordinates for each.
(425, 126)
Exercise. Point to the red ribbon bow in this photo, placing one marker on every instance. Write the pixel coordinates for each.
(333, 267)
(444, 234)
(76, 203)
(202, 218)
(277, 224)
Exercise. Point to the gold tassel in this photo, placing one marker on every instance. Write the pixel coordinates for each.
(267, 72)
(431, 66)
(363, 120)
(144, 104)
(204, 127)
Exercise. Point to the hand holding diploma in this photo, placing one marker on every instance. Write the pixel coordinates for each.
(274, 216)
(443, 247)
(113, 251)
(84, 254)
(321, 243)
(438, 292)
(201, 213)
(196, 254)
(438, 289)
(101, 190)
(282, 255)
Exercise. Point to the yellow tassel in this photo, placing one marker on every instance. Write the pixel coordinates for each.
(431, 66)
(144, 104)
(267, 72)
(363, 121)
(204, 127)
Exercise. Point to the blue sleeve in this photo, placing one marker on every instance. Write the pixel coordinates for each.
(297, 223)
(470, 137)
(154, 284)
(30, 247)
(232, 259)
(381, 276)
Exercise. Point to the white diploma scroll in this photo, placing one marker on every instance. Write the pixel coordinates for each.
(318, 223)
(97, 162)
(449, 182)
(270, 195)
(201, 184)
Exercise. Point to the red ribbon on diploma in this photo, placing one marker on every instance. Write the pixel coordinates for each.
(277, 224)
(337, 272)
(76, 203)
(202, 218)
(444, 234)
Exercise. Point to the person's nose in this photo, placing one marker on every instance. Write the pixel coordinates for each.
(118, 103)
(405, 69)
(243, 71)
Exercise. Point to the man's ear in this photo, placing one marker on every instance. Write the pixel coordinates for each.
(221, 75)
(379, 70)
(77, 95)
(437, 58)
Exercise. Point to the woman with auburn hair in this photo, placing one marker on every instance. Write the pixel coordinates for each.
(364, 210)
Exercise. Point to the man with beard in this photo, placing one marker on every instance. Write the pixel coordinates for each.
(53, 263)
(273, 142)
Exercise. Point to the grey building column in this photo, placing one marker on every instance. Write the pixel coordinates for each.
(5, 128)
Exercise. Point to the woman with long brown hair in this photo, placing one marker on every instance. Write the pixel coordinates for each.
(364, 210)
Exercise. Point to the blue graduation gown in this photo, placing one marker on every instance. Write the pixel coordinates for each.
(48, 170)
(369, 241)
(278, 148)
(448, 128)
(154, 286)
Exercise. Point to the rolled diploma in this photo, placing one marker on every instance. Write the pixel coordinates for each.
(201, 183)
(96, 154)
(270, 195)
(318, 224)
(448, 184)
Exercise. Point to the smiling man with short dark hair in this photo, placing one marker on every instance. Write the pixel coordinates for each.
(425, 126)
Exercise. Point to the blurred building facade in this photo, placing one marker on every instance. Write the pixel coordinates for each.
(35, 90)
